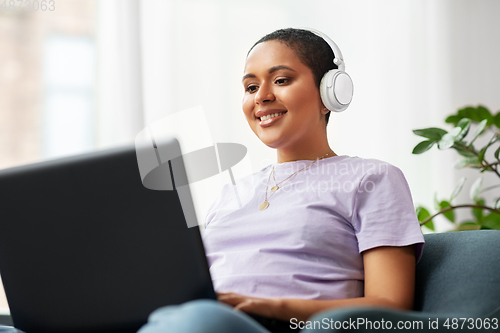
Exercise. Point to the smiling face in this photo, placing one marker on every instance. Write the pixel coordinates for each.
(276, 81)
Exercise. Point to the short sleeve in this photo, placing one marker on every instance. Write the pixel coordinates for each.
(383, 211)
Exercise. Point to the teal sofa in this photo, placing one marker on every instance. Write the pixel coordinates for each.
(457, 290)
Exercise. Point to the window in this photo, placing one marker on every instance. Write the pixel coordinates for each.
(46, 84)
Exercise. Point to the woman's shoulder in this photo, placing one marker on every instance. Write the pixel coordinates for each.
(353, 159)
(347, 165)
(340, 165)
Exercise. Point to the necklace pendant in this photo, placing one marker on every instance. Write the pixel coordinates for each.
(264, 205)
(274, 188)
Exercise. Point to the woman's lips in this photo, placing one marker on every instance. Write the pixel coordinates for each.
(270, 121)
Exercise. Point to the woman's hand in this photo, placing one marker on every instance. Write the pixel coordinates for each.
(267, 307)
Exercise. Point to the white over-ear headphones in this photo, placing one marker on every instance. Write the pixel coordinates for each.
(336, 86)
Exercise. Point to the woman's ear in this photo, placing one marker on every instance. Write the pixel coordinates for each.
(324, 110)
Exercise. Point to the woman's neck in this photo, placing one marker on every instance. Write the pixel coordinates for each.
(311, 146)
(288, 155)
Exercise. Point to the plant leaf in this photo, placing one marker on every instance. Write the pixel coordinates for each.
(469, 112)
(453, 119)
(480, 157)
(497, 204)
(474, 190)
(468, 226)
(494, 139)
(478, 212)
(496, 152)
(449, 138)
(463, 151)
(458, 188)
(433, 133)
(464, 124)
(450, 215)
(423, 146)
(467, 162)
(479, 129)
(422, 214)
(496, 120)
(430, 226)
(484, 114)
(491, 221)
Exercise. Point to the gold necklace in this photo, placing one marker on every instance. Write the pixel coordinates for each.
(276, 187)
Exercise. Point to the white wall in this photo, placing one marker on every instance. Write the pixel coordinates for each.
(412, 62)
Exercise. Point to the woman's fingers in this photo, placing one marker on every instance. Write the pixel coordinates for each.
(263, 307)
(260, 306)
(231, 298)
(219, 294)
(246, 305)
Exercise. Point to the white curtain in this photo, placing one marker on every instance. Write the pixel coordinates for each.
(120, 111)
(413, 63)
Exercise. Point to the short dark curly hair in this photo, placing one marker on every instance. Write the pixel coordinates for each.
(312, 50)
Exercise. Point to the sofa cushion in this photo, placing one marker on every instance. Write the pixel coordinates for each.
(459, 273)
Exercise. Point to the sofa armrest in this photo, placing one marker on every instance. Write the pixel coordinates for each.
(5, 319)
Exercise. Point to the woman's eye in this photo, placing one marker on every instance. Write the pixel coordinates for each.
(251, 89)
(282, 81)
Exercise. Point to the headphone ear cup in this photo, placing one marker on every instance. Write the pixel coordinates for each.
(336, 90)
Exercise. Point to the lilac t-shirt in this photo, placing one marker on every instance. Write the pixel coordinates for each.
(307, 243)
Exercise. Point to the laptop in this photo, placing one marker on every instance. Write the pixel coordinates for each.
(86, 247)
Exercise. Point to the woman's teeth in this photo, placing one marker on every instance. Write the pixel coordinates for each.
(272, 115)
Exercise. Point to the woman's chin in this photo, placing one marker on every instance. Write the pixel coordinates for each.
(271, 141)
(271, 137)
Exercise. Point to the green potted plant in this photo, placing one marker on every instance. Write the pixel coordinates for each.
(484, 216)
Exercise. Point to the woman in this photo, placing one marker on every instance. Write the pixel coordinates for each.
(321, 232)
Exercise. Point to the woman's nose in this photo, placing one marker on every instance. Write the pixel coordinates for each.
(264, 94)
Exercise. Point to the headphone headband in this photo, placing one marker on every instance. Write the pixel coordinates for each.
(338, 58)
(336, 86)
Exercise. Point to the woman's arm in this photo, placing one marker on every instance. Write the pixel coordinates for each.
(389, 282)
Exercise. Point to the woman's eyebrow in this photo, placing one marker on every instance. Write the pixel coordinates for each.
(277, 68)
(270, 71)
